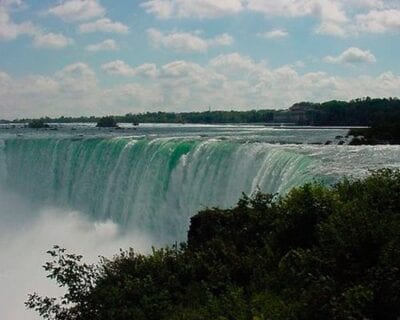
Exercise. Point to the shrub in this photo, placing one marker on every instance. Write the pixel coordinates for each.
(37, 124)
(107, 122)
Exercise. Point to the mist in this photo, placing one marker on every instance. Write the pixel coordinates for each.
(27, 231)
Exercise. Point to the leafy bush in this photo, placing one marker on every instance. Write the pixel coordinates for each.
(37, 124)
(317, 253)
(107, 122)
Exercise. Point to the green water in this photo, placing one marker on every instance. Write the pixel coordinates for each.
(155, 183)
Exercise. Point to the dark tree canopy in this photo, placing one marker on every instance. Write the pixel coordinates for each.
(107, 122)
(37, 124)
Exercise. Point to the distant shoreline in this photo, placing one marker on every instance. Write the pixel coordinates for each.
(273, 126)
(364, 112)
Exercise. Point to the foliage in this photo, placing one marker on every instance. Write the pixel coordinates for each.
(37, 124)
(317, 253)
(107, 122)
(358, 112)
(68, 271)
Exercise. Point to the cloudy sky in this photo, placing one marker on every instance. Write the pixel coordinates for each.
(84, 57)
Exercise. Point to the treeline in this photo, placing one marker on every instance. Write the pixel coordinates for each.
(208, 117)
(317, 253)
(358, 112)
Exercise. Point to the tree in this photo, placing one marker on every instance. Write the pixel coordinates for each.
(37, 124)
(107, 122)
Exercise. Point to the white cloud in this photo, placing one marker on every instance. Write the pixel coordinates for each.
(12, 3)
(37, 85)
(336, 17)
(352, 55)
(182, 70)
(104, 25)
(222, 40)
(148, 70)
(235, 80)
(133, 94)
(379, 21)
(330, 12)
(77, 78)
(333, 29)
(77, 10)
(177, 41)
(287, 8)
(299, 64)
(10, 30)
(366, 4)
(51, 40)
(234, 64)
(5, 79)
(106, 45)
(165, 9)
(227, 81)
(71, 91)
(275, 34)
(384, 85)
(186, 41)
(327, 10)
(119, 67)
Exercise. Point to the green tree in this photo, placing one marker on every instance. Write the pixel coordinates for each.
(107, 122)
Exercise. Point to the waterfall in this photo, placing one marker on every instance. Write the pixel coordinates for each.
(153, 185)
(95, 191)
(156, 184)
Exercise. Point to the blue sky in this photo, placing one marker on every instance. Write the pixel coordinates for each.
(84, 57)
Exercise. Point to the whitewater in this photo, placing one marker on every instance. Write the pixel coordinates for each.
(97, 190)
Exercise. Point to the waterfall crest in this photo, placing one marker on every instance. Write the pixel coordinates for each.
(154, 185)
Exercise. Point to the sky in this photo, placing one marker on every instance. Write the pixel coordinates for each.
(98, 57)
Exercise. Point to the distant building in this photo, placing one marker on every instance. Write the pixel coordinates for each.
(298, 114)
